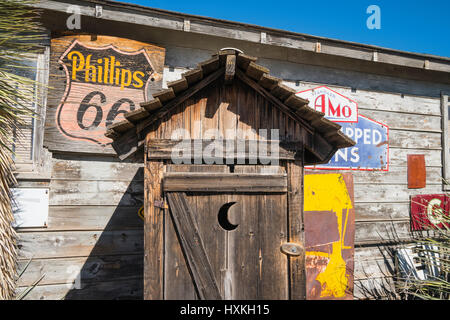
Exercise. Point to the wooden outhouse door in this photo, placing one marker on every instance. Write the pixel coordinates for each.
(224, 232)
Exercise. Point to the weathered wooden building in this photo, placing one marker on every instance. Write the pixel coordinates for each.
(101, 74)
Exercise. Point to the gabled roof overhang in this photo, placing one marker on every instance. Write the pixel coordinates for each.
(322, 137)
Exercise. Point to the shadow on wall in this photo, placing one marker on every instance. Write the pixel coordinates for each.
(114, 268)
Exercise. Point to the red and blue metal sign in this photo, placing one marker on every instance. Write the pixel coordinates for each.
(371, 151)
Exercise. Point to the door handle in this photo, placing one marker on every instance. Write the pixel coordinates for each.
(292, 248)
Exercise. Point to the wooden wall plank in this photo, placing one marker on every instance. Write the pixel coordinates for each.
(382, 232)
(445, 123)
(375, 268)
(398, 156)
(79, 243)
(395, 175)
(94, 218)
(108, 290)
(413, 140)
(82, 270)
(153, 232)
(366, 211)
(90, 169)
(297, 276)
(96, 192)
(374, 288)
(390, 193)
(79, 218)
(404, 121)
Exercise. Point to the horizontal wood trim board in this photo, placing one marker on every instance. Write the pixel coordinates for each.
(214, 182)
(245, 149)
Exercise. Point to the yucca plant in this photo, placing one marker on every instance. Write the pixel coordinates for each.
(431, 279)
(20, 34)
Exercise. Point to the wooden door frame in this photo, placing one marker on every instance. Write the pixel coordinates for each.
(154, 208)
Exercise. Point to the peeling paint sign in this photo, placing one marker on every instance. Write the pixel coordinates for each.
(329, 236)
(371, 151)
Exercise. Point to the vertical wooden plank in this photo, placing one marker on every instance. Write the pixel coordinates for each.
(153, 231)
(214, 237)
(246, 101)
(297, 276)
(273, 232)
(445, 141)
(417, 175)
(178, 284)
(189, 105)
(243, 246)
(41, 92)
(228, 111)
(198, 112)
(193, 247)
(211, 112)
(243, 252)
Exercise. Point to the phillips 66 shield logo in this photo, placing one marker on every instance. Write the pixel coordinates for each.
(102, 83)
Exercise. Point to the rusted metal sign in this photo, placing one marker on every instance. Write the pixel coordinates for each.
(417, 175)
(429, 211)
(329, 236)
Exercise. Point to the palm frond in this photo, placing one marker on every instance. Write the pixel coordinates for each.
(20, 36)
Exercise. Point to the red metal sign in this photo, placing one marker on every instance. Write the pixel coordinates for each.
(429, 211)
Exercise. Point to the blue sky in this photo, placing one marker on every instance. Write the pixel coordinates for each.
(416, 26)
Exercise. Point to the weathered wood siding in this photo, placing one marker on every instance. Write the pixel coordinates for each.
(93, 246)
(93, 223)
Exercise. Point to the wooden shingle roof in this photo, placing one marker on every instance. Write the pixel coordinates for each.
(131, 131)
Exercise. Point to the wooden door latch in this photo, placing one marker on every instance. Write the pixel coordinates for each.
(292, 248)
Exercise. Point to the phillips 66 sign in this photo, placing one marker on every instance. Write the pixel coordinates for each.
(371, 151)
(95, 81)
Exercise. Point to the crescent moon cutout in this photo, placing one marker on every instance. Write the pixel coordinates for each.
(223, 217)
